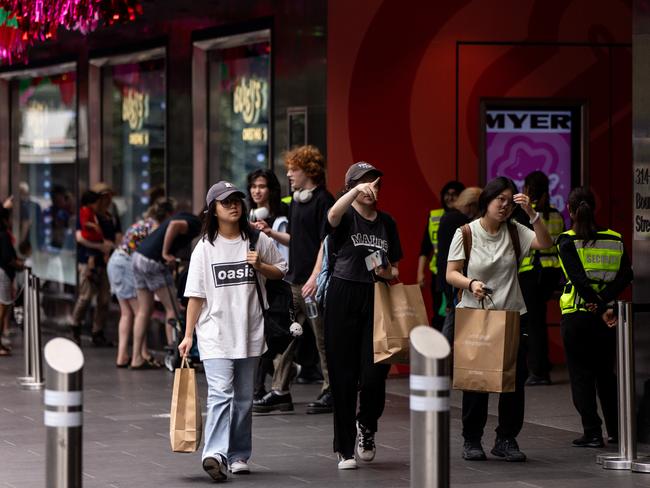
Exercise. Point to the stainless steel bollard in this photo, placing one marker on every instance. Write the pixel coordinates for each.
(29, 376)
(63, 413)
(36, 362)
(429, 401)
(620, 458)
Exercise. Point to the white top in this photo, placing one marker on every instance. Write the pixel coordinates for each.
(492, 261)
(231, 325)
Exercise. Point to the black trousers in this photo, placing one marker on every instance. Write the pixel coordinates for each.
(537, 287)
(590, 348)
(436, 296)
(511, 405)
(349, 351)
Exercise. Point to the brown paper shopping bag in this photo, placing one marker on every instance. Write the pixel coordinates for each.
(485, 350)
(398, 309)
(185, 423)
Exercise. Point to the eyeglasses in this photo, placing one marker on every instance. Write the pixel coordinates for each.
(230, 202)
(505, 202)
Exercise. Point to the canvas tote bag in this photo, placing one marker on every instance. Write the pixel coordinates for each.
(485, 350)
(398, 309)
(185, 422)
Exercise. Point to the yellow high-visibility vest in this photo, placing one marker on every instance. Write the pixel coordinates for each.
(601, 261)
(548, 258)
(434, 225)
(287, 199)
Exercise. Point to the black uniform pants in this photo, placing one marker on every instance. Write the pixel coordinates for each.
(537, 287)
(436, 296)
(511, 405)
(590, 348)
(349, 350)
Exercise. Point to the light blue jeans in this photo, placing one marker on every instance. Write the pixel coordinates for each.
(228, 427)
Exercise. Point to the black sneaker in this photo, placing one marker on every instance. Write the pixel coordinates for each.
(509, 449)
(215, 468)
(273, 401)
(612, 440)
(473, 451)
(589, 441)
(99, 340)
(366, 448)
(534, 380)
(259, 394)
(322, 405)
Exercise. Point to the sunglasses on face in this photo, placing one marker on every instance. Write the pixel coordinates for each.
(230, 202)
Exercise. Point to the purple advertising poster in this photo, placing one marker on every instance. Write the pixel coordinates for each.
(521, 141)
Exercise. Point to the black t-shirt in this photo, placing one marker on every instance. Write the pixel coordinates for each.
(355, 238)
(7, 254)
(152, 245)
(307, 228)
(450, 221)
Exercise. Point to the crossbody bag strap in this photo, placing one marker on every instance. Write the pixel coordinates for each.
(252, 246)
(514, 237)
(466, 232)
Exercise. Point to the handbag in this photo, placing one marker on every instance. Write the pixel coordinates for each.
(185, 421)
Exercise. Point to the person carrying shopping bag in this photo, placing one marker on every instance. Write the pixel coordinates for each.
(359, 233)
(597, 270)
(492, 269)
(225, 309)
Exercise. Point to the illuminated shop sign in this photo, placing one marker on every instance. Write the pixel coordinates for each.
(135, 111)
(250, 100)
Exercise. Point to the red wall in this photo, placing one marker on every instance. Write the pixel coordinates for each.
(404, 86)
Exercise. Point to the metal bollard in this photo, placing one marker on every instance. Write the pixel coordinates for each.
(63, 413)
(29, 376)
(429, 401)
(621, 458)
(34, 346)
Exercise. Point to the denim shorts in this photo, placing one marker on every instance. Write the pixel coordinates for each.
(120, 275)
(6, 291)
(150, 274)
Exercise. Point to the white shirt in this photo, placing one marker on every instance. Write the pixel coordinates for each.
(492, 261)
(231, 325)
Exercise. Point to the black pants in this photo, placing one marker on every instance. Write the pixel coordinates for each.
(537, 287)
(511, 405)
(349, 351)
(436, 295)
(591, 357)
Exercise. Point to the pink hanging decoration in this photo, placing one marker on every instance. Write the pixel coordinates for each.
(39, 20)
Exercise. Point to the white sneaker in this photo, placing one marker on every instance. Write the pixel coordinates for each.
(215, 468)
(349, 463)
(366, 448)
(239, 467)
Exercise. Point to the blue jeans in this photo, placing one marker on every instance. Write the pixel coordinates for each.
(229, 422)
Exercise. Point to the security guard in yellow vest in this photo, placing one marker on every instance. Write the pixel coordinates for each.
(429, 248)
(597, 270)
(539, 277)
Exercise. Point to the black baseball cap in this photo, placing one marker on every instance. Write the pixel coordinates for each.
(358, 170)
(222, 190)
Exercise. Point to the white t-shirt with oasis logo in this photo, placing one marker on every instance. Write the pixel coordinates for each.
(231, 325)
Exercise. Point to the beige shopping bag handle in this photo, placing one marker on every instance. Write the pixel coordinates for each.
(185, 362)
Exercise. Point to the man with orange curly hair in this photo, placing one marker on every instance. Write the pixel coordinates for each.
(307, 229)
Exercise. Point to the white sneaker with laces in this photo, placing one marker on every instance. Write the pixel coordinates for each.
(366, 448)
(347, 463)
(239, 467)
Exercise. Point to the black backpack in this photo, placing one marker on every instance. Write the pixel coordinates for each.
(281, 312)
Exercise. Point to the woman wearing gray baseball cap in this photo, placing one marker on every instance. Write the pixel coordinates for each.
(228, 317)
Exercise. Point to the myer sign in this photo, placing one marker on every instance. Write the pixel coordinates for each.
(527, 121)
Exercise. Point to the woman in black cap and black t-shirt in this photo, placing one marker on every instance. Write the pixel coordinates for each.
(358, 230)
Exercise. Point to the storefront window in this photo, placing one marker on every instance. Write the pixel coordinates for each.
(46, 193)
(239, 110)
(134, 135)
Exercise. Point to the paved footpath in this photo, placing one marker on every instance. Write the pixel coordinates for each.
(126, 441)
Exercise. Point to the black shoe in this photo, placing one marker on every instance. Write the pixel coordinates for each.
(534, 380)
(76, 334)
(309, 375)
(509, 449)
(259, 394)
(215, 468)
(322, 405)
(273, 401)
(473, 451)
(100, 341)
(589, 441)
(612, 440)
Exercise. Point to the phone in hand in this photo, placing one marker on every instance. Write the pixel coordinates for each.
(487, 290)
(376, 259)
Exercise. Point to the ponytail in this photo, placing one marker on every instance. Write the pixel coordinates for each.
(582, 206)
(536, 186)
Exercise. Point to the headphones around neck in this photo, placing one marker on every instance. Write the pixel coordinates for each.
(303, 196)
